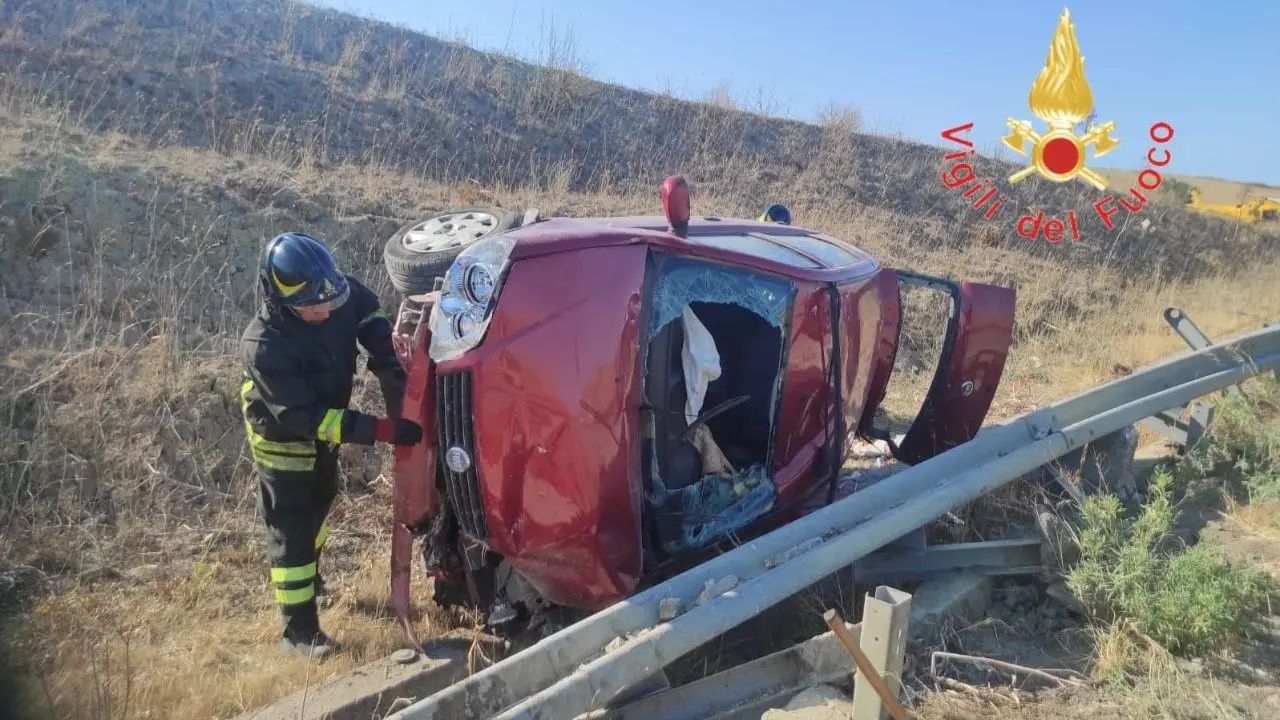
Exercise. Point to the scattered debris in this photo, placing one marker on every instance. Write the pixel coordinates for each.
(786, 555)
(668, 609)
(1056, 676)
(716, 588)
(984, 694)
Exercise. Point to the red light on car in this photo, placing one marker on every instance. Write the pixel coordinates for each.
(675, 204)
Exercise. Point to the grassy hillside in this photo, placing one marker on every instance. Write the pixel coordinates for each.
(148, 148)
(318, 88)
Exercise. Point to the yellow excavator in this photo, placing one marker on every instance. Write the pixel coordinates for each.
(1259, 210)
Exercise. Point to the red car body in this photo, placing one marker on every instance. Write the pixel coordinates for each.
(555, 407)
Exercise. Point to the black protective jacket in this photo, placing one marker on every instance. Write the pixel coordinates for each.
(299, 378)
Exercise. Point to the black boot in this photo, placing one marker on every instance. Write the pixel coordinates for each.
(302, 632)
(317, 647)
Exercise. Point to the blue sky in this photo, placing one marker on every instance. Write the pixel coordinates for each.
(1211, 69)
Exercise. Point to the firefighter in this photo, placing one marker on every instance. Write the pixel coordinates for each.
(776, 213)
(300, 354)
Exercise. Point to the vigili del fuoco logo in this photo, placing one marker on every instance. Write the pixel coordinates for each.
(1062, 99)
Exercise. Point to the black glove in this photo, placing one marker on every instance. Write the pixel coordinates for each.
(361, 429)
(397, 431)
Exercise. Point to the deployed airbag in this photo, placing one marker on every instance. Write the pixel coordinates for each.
(701, 363)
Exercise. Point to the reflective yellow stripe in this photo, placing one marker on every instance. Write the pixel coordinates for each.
(373, 316)
(295, 597)
(284, 463)
(301, 448)
(330, 429)
(294, 456)
(293, 574)
(322, 536)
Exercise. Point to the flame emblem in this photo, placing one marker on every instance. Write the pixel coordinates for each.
(1061, 97)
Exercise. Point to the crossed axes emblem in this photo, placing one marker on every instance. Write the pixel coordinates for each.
(1021, 132)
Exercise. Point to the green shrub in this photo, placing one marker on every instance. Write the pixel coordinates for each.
(1243, 446)
(1190, 600)
(1174, 192)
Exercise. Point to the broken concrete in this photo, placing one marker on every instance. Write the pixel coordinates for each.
(821, 702)
(1060, 550)
(960, 595)
(373, 690)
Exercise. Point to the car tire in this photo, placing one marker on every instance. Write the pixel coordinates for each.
(423, 250)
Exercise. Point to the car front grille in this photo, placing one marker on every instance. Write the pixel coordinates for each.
(457, 429)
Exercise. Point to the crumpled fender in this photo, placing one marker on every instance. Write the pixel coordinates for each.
(416, 497)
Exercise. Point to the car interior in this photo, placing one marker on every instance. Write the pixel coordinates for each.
(708, 459)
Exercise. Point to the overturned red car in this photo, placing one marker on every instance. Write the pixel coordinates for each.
(608, 400)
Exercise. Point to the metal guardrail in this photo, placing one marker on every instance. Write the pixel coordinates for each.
(1167, 424)
(570, 672)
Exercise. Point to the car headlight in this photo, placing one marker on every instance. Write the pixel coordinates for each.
(461, 316)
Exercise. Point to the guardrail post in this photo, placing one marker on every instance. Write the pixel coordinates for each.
(1182, 324)
(1201, 418)
(883, 641)
(1167, 425)
(1187, 434)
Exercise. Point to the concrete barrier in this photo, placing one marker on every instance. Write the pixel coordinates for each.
(376, 689)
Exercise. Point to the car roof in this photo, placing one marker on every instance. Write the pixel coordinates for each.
(794, 246)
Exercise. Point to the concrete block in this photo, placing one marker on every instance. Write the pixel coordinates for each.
(955, 595)
(371, 691)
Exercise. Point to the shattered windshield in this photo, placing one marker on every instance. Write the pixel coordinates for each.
(684, 281)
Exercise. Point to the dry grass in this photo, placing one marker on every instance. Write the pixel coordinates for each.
(1166, 691)
(132, 582)
(189, 640)
(1262, 519)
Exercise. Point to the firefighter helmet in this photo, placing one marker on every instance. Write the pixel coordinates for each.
(298, 271)
(777, 213)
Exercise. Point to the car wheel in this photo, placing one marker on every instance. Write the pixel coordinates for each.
(423, 250)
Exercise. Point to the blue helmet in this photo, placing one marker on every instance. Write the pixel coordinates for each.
(777, 213)
(298, 271)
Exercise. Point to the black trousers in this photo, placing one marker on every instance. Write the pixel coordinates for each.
(294, 506)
